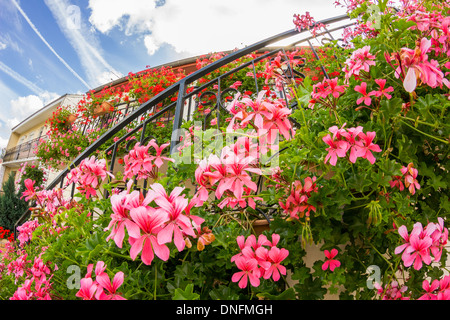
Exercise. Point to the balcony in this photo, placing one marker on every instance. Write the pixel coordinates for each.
(22, 151)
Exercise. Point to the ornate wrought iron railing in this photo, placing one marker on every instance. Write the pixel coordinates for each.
(208, 87)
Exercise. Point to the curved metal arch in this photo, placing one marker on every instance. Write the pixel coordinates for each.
(180, 90)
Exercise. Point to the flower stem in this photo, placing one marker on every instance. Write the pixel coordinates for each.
(156, 281)
(425, 134)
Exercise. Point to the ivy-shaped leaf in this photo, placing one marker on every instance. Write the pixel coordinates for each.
(186, 294)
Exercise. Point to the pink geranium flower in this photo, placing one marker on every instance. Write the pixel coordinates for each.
(331, 262)
(297, 201)
(417, 252)
(409, 179)
(418, 246)
(360, 60)
(111, 287)
(141, 164)
(159, 159)
(429, 290)
(150, 222)
(337, 148)
(367, 146)
(249, 271)
(365, 96)
(30, 192)
(352, 135)
(274, 257)
(89, 175)
(228, 176)
(382, 91)
(414, 64)
(178, 225)
(258, 258)
(87, 289)
(410, 174)
(121, 205)
(327, 92)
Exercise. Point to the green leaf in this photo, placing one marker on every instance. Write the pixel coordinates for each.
(391, 108)
(223, 293)
(288, 294)
(390, 167)
(359, 182)
(381, 178)
(187, 294)
(310, 289)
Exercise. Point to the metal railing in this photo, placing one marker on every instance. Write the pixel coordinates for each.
(176, 103)
(22, 151)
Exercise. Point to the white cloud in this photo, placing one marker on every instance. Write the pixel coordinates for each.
(3, 142)
(133, 17)
(17, 108)
(7, 42)
(13, 74)
(203, 26)
(83, 41)
(24, 15)
(150, 44)
(24, 106)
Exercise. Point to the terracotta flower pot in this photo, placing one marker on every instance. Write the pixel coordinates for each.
(71, 119)
(260, 226)
(3, 245)
(104, 108)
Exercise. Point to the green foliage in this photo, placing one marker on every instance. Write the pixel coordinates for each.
(12, 207)
(356, 207)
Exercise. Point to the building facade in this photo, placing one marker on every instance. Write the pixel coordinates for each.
(26, 135)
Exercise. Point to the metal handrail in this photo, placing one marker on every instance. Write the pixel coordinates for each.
(176, 108)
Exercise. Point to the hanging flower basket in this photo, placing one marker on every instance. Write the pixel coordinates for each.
(260, 225)
(71, 119)
(104, 108)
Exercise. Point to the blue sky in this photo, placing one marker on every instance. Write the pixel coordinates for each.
(52, 47)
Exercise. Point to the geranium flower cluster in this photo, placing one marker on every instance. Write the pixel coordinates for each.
(342, 140)
(229, 176)
(89, 175)
(408, 180)
(258, 258)
(26, 231)
(415, 67)
(275, 69)
(101, 288)
(50, 202)
(307, 22)
(150, 228)
(268, 116)
(421, 243)
(366, 96)
(327, 93)
(141, 164)
(392, 291)
(437, 289)
(5, 233)
(296, 204)
(359, 63)
(39, 274)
